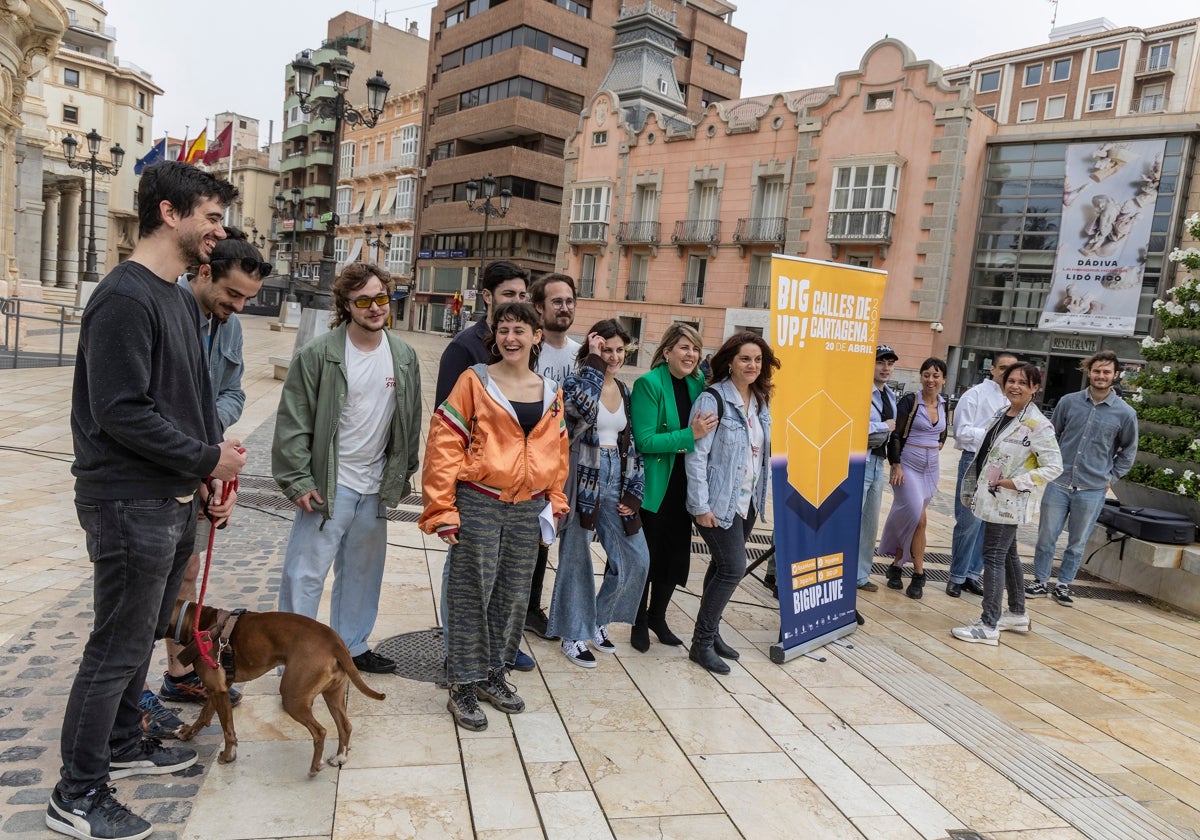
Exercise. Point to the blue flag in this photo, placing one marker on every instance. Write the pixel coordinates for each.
(157, 152)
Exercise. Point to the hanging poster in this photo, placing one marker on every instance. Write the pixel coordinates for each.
(824, 328)
(1109, 193)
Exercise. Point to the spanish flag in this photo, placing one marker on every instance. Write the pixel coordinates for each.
(195, 151)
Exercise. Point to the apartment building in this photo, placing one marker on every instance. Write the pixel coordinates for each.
(507, 80)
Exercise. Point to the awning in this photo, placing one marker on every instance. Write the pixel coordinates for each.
(359, 200)
(387, 201)
(373, 203)
(355, 250)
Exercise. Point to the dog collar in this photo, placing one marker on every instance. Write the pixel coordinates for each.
(181, 622)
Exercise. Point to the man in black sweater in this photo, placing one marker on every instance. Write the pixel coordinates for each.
(146, 433)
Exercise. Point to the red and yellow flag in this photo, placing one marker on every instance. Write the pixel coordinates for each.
(195, 151)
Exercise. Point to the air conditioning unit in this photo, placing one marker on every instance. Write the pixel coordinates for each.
(422, 172)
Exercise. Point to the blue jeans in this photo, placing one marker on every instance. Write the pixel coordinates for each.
(966, 551)
(576, 609)
(873, 480)
(1001, 571)
(725, 572)
(1076, 510)
(354, 542)
(139, 550)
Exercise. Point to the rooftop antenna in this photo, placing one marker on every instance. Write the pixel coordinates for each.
(1054, 14)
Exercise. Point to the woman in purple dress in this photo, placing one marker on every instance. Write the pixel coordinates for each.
(913, 453)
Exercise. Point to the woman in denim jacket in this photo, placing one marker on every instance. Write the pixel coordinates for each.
(727, 480)
(604, 490)
(1018, 457)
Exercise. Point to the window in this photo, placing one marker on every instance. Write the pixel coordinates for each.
(883, 100)
(871, 187)
(70, 77)
(723, 62)
(769, 198)
(1033, 75)
(140, 134)
(706, 201)
(858, 260)
(141, 100)
(599, 138)
(574, 7)
(590, 204)
(1060, 70)
(1056, 107)
(455, 16)
(639, 268)
(399, 258)
(1027, 111)
(341, 249)
(693, 286)
(989, 110)
(70, 115)
(1159, 57)
(1107, 59)
(587, 276)
(346, 163)
(410, 137)
(1154, 98)
(645, 203)
(406, 198)
(344, 195)
(989, 81)
(1101, 100)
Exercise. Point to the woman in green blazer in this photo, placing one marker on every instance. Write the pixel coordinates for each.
(660, 405)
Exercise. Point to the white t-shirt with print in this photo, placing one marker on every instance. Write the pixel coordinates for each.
(367, 417)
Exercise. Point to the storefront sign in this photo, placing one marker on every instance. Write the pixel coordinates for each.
(1074, 344)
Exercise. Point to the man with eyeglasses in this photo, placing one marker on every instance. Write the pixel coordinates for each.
(553, 296)
(972, 416)
(369, 380)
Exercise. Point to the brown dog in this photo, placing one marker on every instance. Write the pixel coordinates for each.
(315, 659)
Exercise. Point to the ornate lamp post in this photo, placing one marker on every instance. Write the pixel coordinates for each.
(336, 108)
(381, 241)
(92, 165)
(488, 210)
(257, 239)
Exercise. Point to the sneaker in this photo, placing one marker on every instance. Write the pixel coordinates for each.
(189, 689)
(522, 662)
(148, 757)
(1062, 595)
(601, 641)
(464, 705)
(94, 815)
(1009, 621)
(370, 662)
(868, 587)
(537, 622)
(577, 651)
(496, 690)
(157, 720)
(1036, 589)
(977, 632)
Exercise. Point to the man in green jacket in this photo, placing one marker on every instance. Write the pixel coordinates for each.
(347, 439)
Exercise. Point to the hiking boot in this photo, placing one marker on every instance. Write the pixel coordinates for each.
(602, 642)
(157, 720)
(496, 690)
(148, 757)
(895, 577)
(1062, 595)
(189, 689)
(973, 586)
(95, 815)
(978, 632)
(916, 586)
(578, 653)
(1036, 589)
(370, 662)
(522, 662)
(1009, 621)
(537, 622)
(464, 706)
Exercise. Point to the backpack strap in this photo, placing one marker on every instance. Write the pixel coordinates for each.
(720, 402)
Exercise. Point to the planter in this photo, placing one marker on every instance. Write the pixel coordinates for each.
(1164, 430)
(1158, 462)
(1183, 335)
(1139, 495)
(1191, 369)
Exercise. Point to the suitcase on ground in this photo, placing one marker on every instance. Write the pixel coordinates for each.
(1149, 524)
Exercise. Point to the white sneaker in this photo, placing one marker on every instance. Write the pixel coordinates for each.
(1019, 623)
(977, 632)
(577, 651)
(601, 641)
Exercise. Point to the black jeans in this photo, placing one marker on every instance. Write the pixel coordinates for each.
(139, 550)
(1001, 569)
(725, 572)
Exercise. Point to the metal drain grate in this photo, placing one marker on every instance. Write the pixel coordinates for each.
(418, 656)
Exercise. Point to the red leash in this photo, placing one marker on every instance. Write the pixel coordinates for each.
(204, 642)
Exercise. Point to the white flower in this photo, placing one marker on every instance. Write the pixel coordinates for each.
(1137, 398)
(1194, 445)
(1181, 489)
(1147, 343)
(1188, 475)
(1166, 368)
(1168, 471)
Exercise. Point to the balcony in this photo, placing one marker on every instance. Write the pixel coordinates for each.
(638, 233)
(758, 296)
(587, 287)
(693, 293)
(588, 233)
(1148, 104)
(761, 229)
(635, 290)
(697, 232)
(1154, 66)
(859, 227)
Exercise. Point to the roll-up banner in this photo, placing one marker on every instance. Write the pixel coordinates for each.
(824, 328)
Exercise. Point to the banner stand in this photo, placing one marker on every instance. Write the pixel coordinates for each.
(780, 654)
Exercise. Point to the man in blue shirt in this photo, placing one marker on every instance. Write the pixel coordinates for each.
(1097, 434)
(883, 423)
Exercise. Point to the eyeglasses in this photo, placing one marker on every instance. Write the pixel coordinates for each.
(562, 303)
(365, 302)
(247, 264)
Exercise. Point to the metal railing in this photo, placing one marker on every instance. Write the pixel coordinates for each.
(761, 229)
(638, 232)
(635, 290)
(22, 347)
(859, 226)
(588, 232)
(1148, 104)
(1153, 64)
(697, 230)
(693, 293)
(587, 287)
(758, 296)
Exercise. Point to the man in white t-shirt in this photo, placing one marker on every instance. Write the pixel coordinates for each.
(368, 379)
(553, 296)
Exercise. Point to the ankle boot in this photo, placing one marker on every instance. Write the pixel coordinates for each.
(723, 650)
(659, 625)
(706, 657)
(639, 638)
(895, 577)
(916, 587)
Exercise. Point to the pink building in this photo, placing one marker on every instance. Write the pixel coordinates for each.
(668, 219)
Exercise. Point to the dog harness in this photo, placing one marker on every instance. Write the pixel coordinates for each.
(221, 630)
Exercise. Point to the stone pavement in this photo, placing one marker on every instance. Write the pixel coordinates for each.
(1085, 727)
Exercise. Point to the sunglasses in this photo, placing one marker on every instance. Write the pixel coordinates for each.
(248, 265)
(365, 302)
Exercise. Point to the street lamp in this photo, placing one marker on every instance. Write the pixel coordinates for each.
(258, 239)
(338, 110)
(381, 241)
(488, 210)
(92, 165)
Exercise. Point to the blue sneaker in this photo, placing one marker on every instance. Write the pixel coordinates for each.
(189, 689)
(157, 720)
(522, 662)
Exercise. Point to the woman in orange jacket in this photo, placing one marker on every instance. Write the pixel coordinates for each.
(495, 465)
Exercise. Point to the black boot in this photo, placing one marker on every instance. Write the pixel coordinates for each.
(639, 638)
(659, 625)
(916, 587)
(706, 657)
(895, 577)
(723, 650)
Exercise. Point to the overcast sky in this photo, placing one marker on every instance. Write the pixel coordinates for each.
(238, 50)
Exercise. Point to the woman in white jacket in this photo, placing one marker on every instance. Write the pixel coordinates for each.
(1019, 456)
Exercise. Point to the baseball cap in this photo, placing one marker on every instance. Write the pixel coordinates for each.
(885, 352)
